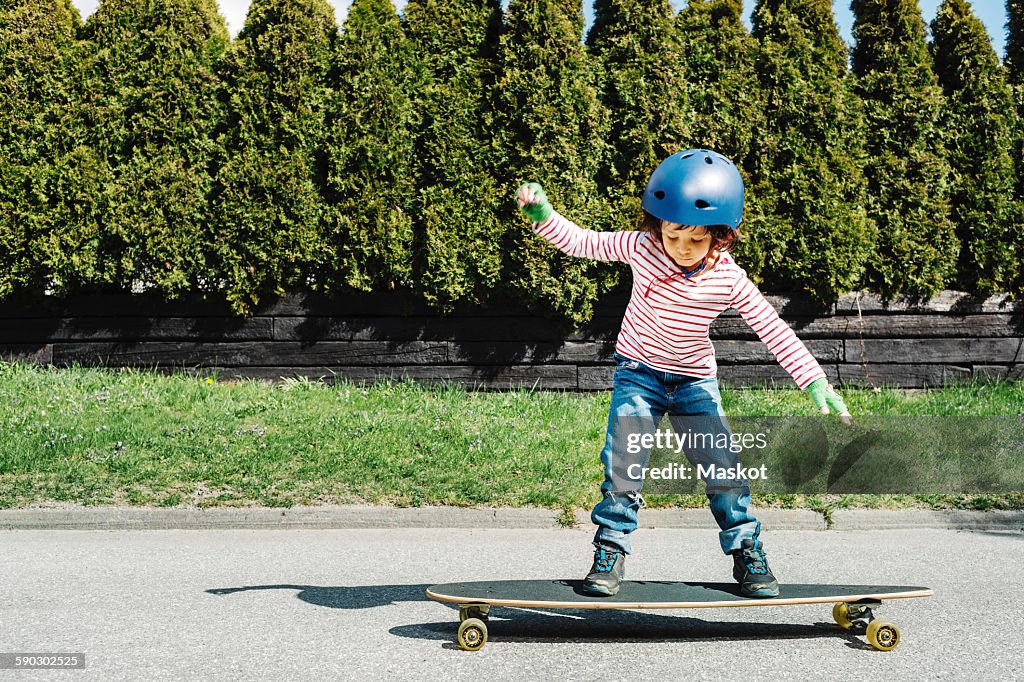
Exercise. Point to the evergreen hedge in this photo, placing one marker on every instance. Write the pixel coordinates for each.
(979, 122)
(1015, 72)
(370, 152)
(38, 55)
(267, 214)
(906, 169)
(727, 104)
(807, 169)
(149, 91)
(551, 129)
(457, 254)
(146, 149)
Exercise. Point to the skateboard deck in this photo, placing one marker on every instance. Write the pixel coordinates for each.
(852, 608)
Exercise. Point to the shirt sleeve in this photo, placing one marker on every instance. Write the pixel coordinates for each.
(781, 340)
(572, 239)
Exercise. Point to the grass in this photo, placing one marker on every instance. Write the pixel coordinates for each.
(98, 437)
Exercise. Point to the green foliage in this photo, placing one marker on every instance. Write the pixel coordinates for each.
(724, 95)
(37, 61)
(267, 212)
(455, 213)
(148, 101)
(551, 129)
(811, 224)
(146, 149)
(370, 149)
(1015, 71)
(907, 170)
(978, 120)
(637, 52)
(1015, 40)
(720, 81)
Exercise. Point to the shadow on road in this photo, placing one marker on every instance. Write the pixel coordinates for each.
(508, 624)
(355, 597)
(530, 625)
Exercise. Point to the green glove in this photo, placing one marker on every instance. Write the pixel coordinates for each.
(534, 203)
(827, 400)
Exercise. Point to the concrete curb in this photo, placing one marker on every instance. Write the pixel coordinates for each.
(349, 516)
(76, 517)
(954, 519)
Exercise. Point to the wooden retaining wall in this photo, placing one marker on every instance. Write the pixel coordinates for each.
(860, 340)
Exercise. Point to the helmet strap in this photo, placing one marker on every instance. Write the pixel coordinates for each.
(700, 266)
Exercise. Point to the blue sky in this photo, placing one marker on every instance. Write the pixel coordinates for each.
(991, 12)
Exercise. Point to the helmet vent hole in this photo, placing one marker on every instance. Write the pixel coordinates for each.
(659, 194)
(707, 160)
(686, 156)
(700, 203)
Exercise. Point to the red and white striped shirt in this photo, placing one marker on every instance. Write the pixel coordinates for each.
(667, 321)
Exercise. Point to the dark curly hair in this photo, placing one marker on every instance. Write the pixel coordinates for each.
(723, 237)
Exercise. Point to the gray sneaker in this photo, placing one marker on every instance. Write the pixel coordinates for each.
(750, 568)
(607, 572)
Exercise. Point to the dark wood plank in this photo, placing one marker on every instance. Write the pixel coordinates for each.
(767, 375)
(934, 325)
(38, 353)
(946, 301)
(283, 353)
(1011, 372)
(421, 327)
(902, 376)
(951, 351)
(207, 329)
(755, 352)
(114, 305)
(510, 352)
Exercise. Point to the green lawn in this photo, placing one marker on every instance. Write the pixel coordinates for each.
(97, 436)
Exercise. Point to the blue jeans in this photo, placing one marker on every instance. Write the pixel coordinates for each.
(648, 394)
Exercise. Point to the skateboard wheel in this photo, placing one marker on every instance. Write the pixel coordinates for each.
(841, 615)
(472, 634)
(883, 635)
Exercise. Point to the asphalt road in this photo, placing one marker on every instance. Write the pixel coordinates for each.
(349, 605)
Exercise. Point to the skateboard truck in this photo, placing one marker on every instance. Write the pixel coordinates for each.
(858, 617)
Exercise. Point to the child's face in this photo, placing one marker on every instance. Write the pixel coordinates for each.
(686, 245)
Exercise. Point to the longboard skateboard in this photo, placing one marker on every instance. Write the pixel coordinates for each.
(852, 610)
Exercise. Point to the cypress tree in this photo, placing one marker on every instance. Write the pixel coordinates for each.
(637, 54)
(807, 172)
(151, 97)
(979, 123)
(370, 147)
(1015, 70)
(1015, 40)
(267, 207)
(723, 92)
(907, 171)
(458, 233)
(37, 62)
(551, 130)
(719, 77)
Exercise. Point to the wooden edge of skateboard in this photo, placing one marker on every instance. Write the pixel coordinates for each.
(772, 601)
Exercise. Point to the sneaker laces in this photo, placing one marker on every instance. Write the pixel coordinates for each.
(604, 559)
(755, 561)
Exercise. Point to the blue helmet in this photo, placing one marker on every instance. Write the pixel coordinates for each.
(696, 187)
